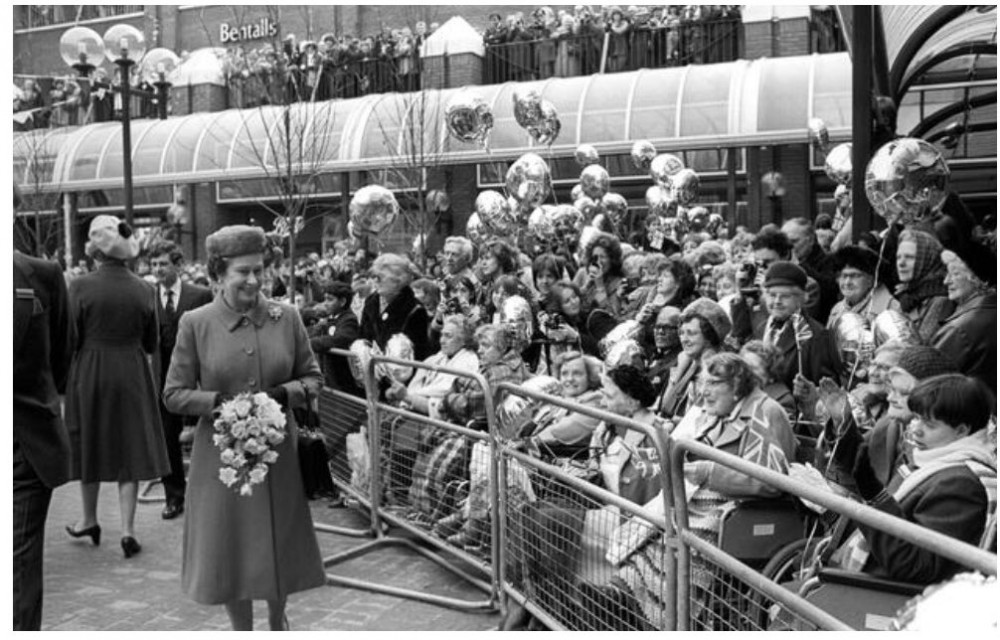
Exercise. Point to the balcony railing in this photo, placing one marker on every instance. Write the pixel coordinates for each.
(701, 42)
(37, 16)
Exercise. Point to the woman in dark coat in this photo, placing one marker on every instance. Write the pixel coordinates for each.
(112, 412)
(238, 549)
(394, 308)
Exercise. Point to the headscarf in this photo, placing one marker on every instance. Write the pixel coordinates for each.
(928, 272)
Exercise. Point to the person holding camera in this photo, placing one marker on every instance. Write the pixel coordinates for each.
(599, 280)
(564, 321)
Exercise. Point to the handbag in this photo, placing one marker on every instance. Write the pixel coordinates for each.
(314, 459)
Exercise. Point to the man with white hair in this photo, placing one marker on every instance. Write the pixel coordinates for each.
(457, 259)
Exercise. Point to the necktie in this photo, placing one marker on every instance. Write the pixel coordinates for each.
(170, 303)
(775, 331)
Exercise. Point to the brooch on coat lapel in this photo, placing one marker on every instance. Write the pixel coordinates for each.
(385, 316)
(331, 331)
(275, 312)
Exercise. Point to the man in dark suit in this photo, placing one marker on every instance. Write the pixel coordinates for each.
(337, 331)
(797, 337)
(174, 297)
(42, 350)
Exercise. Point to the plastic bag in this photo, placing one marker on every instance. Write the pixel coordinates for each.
(359, 460)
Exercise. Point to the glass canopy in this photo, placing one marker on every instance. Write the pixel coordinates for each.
(735, 104)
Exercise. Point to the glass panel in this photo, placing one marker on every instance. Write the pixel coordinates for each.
(214, 151)
(604, 108)
(179, 156)
(148, 150)
(564, 94)
(84, 161)
(506, 132)
(705, 108)
(968, 28)
(831, 90)
(382, 132)
(654, 106)
(262, 127)
(783, 95)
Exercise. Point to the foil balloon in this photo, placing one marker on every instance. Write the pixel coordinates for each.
(628, 330)
(643, 153)
(527, 108)
(684, 186)
(893, 325)
(373, 209)
(503, 221)
(541, 225)
(697, 218)
(586, 155)
(576, 192)
(587, 236)
(602, 222)
(586, 206)
(623, 352)
(548, 127)
(490, 204)
(615, 207)
(469, 118)
(838, 164)
(364, 351)
(969, 597)
(658, 200)
(399, 346)
(819, 135)
(595, 181)
(906, 180)
(419, 244)
(529, 181)
(853, 338)
(715, 223)
(664, 167)
(517, 319)
(437, 200)
(474, 229)
(568, 222)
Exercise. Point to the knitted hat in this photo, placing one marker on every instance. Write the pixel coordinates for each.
(860, 258)
(925, 362)
(112, 237)
(235, 240)
(787, 274)
(714, 315)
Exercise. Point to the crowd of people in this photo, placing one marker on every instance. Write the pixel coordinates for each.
(570, 42)
(874, 362)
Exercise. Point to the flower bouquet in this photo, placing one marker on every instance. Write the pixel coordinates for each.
(247, 429)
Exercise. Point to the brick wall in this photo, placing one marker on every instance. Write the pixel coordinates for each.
(774, 38)
(442, 72)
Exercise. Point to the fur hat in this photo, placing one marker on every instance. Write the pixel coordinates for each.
(112, 237)
(787, 274)
(862, 259)
(713, 313)
(236, 240)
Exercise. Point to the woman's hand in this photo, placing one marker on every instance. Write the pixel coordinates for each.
(834, 398)
(397, 392)
(806, 395)
(279, 394)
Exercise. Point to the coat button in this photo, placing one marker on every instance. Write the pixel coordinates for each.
(249, 351)
(252, 382)
(244, 322)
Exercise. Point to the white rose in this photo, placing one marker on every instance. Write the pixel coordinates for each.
(258, 473)
(239, 429)
(246, 490)
(227, 414)
(270, 457)
(228, 457)
(220, 439)
(242, 407)
(261, 399)
(228, 476)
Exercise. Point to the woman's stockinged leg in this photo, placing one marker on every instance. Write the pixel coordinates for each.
(128, 496)
(240, 614)
(89, 492)
(276, 615)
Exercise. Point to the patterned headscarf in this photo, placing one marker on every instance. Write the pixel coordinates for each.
(928, 272)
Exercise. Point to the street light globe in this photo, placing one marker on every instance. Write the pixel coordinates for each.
(81, 45)
(158, 61)
(123, 41)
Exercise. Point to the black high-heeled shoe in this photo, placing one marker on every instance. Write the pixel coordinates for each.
(130, 546)
(94, 532)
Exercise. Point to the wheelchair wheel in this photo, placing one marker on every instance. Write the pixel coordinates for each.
(782, 568)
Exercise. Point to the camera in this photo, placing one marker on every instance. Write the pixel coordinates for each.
(746, 280)
(552, 321)
(453, 305)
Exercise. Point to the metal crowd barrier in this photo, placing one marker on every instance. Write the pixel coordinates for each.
(741, 598)
(440, 463)
(554, 544)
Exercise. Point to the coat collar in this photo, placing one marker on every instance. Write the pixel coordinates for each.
(987, 300)
(731, 428)
(258, 314)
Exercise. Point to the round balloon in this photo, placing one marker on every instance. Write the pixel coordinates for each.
(594, 180)
(437, 200)
(541, 225)
(527, 108)
(838, 164)
(628, 330)
(576, 192)
(818, 134)
(517, 319)
(643, 153)
(548, 127)
(853, 338)
(697, 218)
(567, 220)
(474, 229)
(373, 209)
(615, 207)
(893, 325)
(664, 167)
(469, 118)
(623, 352)
(906, 180)
(586, 155)
(529, 181)
(490, 204)
(586, 206)
(658, 200)
(587, 236)
(715, 223)
(684, 186)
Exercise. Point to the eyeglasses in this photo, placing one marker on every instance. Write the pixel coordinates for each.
(664, 328)
(714, 382)
(851, 275)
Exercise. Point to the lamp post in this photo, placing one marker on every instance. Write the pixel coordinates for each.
(156, 66)
(82, 49)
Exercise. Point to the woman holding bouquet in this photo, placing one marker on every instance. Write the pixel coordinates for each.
(240, 548)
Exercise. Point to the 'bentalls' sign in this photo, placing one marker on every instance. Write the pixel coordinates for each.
(264, 28)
